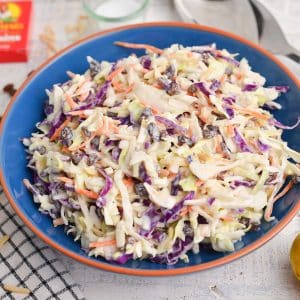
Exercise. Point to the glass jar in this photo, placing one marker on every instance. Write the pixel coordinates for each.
(106, 14)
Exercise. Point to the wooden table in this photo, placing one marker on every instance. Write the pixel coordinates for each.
(264, 274)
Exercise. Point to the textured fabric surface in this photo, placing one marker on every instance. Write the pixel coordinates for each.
(25, 261)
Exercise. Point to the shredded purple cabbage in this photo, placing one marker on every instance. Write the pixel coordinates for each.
(124, 120)
(180, 247)
(144, 177)
(58, 120)
(189, 158)
(122, 259)
(171, 215)
(42, 186)
(175, 187)
(229, 112)
(228, 59)
(215, 85)
(262, 147)
(69, 187)
(210, 201)
(96, 100)
(229, 100)
(115, 153)
(109, 142)
(146, 62)
(280, 125)
(101, 200)
(70, 204)
(48, 108)
(240, 141)
(201, 86)
(171, 124)
(155, 216)
(236, 183)
(281, 88)
(158, 235)
(250, 87)
(169, 85)
(147, 145)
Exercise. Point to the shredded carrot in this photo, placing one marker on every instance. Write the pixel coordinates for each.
(57, 222)
(129, 88)
(115, 73)
(128, 182)
(230, 130)
(239, 76)
(114, 128)
(284, 191)
(163, 173)
(65, 150)
(157, 86)
(227, 218)
(223, 78)
(65, 179)
(87, 193)
(185, 211)
(82, 145)
(172, 55)
(203, 118)
(199, 182)
(121, 88)
(59, 129)
(139, 46)
(171, 175)
(189, 54)
(155, 111)
(218, 147)
(251, 112)
(117, 85)
(190, 131)
(103, 244)
(70, 101)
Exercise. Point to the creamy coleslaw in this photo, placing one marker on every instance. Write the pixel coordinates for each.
(150, 157)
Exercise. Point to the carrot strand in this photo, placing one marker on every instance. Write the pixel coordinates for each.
(102, 244)
(87, 193)
(139, 46)
(65, 179)
(59, 130)
(284, 191)
(252, 113)
(114, 73)
(70, 101)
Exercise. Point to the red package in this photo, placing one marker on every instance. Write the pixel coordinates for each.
(15, 19)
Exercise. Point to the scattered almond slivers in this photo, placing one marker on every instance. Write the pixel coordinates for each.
(3, 240)
(16, 289)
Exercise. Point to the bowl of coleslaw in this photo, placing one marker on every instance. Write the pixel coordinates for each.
(155, 149)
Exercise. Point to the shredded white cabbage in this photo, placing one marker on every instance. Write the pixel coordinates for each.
(149, 157)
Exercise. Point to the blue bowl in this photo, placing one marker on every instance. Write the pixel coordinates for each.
(25, 110)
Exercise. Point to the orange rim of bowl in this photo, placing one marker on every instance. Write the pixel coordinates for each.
(140, 272)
